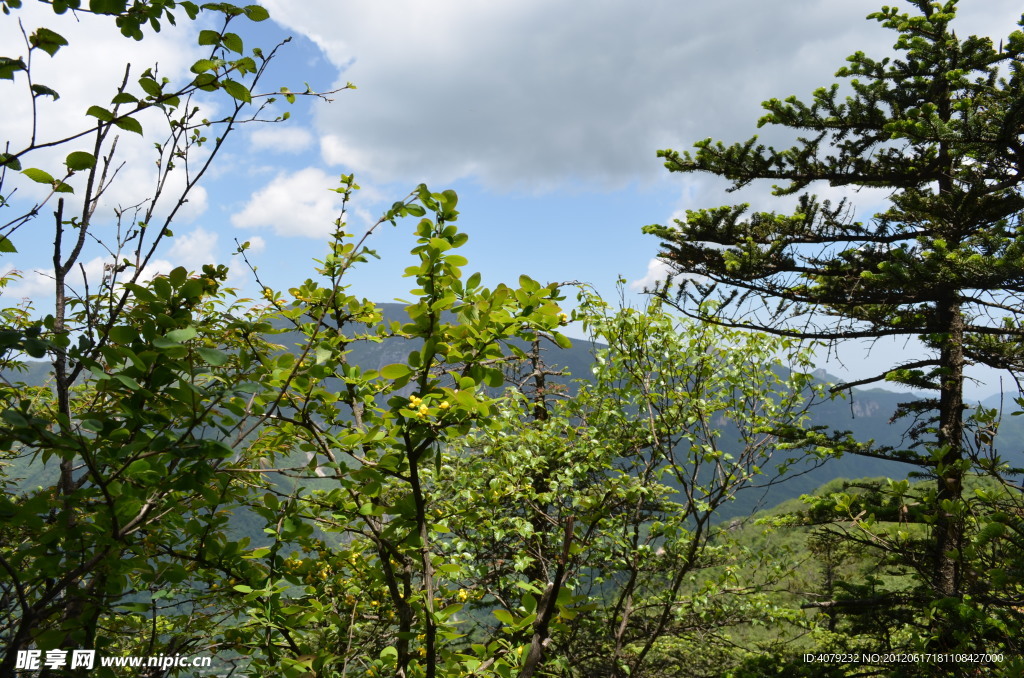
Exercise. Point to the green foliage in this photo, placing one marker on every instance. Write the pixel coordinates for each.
(940, 126)
(150, 430)
(138, 440)
(834, 570)
(369, 441)
(448, 512)
(674, 425)
(440, 526)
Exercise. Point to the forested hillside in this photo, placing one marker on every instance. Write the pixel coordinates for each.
(865, 413)
(312, 483)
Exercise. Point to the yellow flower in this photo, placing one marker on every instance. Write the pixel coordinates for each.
(444, 405)
(424, 410)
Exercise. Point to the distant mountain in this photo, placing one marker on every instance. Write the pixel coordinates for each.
(866, 413)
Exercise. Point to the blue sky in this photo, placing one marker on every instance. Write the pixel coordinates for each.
(544, 116)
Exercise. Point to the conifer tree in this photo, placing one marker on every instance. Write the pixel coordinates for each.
(941, 126)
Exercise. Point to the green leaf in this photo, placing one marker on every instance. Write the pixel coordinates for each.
(192, 289)
(212, 356)
(106, 6)
(174, 574)
(178, 276)
(505, 617)
(129, 125)
(494, 378)
(122, 334)
(47, 40)
(206, 82)
(237, 90)
(207, 37)
(100, 113)
(8, 160)
(6, 246)
(242, 588)
(124, 98)
(151, 87)
(80, 160)
(233, 42)
(256, 13)
(203, 65)
(395, 371)
(43, 90)
(39, 176)
(8, 67)
(128, 381)
(182, 335)
(138, 466)
(35, 348)
(528, 283)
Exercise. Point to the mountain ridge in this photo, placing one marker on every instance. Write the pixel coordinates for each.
(865, 413)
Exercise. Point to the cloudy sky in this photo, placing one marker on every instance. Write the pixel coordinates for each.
(545, 116)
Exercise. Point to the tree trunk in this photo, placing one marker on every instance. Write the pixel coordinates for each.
(948, 530)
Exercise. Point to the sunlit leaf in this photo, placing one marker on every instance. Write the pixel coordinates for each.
(256, 13)
(233, 42)
(100, 113)
(237, 90)
(208, 37)
(80, 160)
(129, 125)
(39, 176)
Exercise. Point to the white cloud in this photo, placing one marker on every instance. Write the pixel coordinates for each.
(543, 94)
(158, 267)
(281, 139)
(299, 204)
(193, 250)
(86, 72)
(26, 285)
(190, 250)
(100, 53)
(657, 272)
(37, 285)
